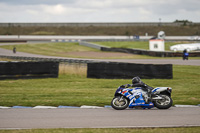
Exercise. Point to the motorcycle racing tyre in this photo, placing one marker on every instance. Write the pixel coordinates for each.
(164, 103)
(119, 103)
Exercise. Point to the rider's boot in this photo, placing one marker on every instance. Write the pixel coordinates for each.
(149, 95)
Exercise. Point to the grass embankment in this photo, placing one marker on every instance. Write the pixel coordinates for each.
(100, 30)
(72, 88)
(109, 130)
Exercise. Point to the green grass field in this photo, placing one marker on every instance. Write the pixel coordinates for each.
(72, 88)
(52, 49)
(109, 130)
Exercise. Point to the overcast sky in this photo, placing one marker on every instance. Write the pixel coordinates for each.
(99, 10)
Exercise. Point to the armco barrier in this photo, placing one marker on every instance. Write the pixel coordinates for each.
(139, 51)
(15, 70)
(150, 53)
(84, 61)
(129, 70)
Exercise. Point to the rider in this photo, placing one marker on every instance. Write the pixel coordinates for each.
(136, 82)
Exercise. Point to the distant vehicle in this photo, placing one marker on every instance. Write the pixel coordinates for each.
(194, 38)
(188, 47)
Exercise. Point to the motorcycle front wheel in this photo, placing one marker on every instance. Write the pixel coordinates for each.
(164, 103)
(119, 103)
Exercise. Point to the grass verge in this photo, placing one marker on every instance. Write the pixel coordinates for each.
(109, 130)
(72, 88)
(52, 49)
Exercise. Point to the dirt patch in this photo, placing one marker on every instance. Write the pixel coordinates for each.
(194, 98)
(91, 54)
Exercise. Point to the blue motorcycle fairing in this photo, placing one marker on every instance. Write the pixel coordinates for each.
(136, 98)
(118, 90)
(155, 90)
(144, 106)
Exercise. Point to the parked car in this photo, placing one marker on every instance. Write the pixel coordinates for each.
(188, 47)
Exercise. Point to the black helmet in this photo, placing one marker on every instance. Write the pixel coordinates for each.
(136, 80)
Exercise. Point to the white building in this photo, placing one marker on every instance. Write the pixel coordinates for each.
(156, 45)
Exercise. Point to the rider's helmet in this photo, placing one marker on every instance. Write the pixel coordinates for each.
(136, 80)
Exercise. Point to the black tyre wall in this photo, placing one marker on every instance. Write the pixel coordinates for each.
(15, 70)
(129, 70)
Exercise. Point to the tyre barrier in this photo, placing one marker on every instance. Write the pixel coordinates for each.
(24, 70)
(99, 69)
(150, 53)
(115, 70)
(47, 59)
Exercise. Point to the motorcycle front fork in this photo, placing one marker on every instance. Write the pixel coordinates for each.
(146, 98)
(121, 99)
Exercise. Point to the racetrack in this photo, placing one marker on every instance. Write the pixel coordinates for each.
(98, 118)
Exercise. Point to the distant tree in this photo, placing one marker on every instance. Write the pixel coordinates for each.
(127, 33)
(184, 22)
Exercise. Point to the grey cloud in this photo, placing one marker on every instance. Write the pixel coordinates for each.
(36, 2)
(97, 10)
(170, 8)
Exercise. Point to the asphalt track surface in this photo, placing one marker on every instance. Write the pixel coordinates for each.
(98, 118)
(142, 61)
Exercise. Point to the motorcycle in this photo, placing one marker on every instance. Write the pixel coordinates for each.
(133, 98)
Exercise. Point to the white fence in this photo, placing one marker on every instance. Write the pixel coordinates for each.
(79, 38)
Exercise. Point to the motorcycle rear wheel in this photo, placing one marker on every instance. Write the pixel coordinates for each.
(119, 103)
(165, 103)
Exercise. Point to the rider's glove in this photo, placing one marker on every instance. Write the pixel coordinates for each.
(143, 84)
(128, 85)
(122, 86)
